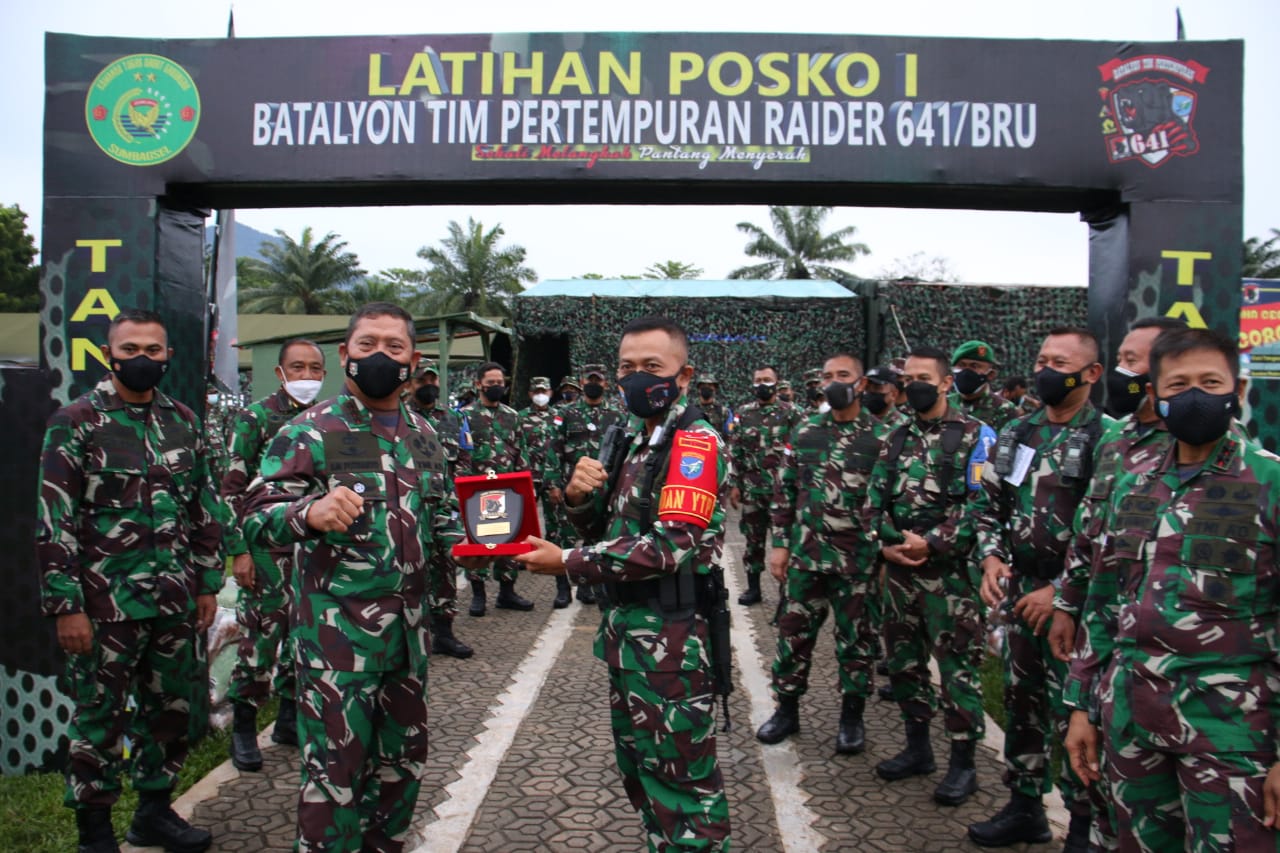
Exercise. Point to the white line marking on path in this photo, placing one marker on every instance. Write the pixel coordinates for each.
(781, 765)
(454, 816)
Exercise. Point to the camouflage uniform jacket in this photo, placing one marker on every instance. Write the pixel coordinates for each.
(535, 434)
(448, 426)
(494, 435)
(759, 439)
(717, 414)
(127, 522)
(821, 487)
(576, 431)
(927, 494)
(1127, 447)
(894, 417)
(990, 408)
(360, 596)
(1192, 655)
(1029, 525)
(253, 428)
(639, 636)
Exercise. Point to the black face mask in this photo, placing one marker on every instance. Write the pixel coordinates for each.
(763, 391)
(1054, 386)
(840, 395)
(922, 396)
(568, 396)
(648, 395)
(593, 390)
(1197, 417)
(812, 394)
(876, 402)
(784, 396)
(706, 393)
(494, 393)
(427, 395)
(969, 381)
(378, 375)
(140, 373)
(1126, 391)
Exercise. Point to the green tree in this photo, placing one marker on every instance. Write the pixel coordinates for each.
(797, 248)
(19, 273)
(1262, 257)
(372, 289)
(470, 272)
(294, 277)
(672, 270)
(919, 267)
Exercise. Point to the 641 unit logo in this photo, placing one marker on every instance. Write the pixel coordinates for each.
(1148, 105)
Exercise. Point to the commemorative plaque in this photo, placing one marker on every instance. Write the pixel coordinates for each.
(498, 512)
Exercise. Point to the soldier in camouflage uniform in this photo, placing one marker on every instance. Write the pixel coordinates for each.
(536, 432)
(128, 541)
(813, 397)
(923, 495)
(362, 483)
(715, 412)
(785, 392)
(652, 633)
(882, 394)
(974, 366)
(1034, 486)
(822, 555)
(263, 574)
(424, 398)
(569, 389)
(1180, 622)
(759, 438)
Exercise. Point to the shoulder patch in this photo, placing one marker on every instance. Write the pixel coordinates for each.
(689, 494)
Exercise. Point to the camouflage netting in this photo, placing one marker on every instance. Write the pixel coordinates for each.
(1013, 320)
(728, 337)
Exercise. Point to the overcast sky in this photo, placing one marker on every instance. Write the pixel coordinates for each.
(564, 242)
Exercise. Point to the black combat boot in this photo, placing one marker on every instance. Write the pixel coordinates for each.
(93, 823)
(444, 643)
(477, 598)
(586, 593)
(509, 599)
(962, 777)
(245, 754)
(885, 692)
(784, 722)
(286, 730)
(915, 760)
(156, 825)
(1021, 821)
(752, 595)
(564, 594)
(851, 737)
(1078, 834)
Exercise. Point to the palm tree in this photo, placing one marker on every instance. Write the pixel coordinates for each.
(672, 270)
(299, 277)
(469, 272)
(1262, 257)
(372, 289)
(799, 249)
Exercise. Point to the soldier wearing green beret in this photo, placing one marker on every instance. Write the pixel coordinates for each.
(974, 364)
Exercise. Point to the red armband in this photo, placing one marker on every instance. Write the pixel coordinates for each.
(689, 494)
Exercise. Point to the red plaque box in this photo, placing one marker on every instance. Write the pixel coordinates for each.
(498, 512)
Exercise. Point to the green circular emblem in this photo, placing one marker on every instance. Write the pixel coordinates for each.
(142, 109)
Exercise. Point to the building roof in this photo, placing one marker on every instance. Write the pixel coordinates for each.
(657, 288)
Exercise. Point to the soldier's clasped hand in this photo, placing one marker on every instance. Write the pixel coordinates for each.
(993, 569)
(336, 511)
(588, 476)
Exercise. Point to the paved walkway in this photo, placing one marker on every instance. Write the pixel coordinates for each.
(521, 757)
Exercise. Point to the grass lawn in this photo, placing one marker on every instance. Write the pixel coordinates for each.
(33, 819)
(992, 674)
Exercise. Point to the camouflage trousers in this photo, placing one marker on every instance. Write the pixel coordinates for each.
(1188, 801)
(155, 661)
(754, 526)
(443, 595)
(504, 569)
(555, 524)
(364, 748)
(664, 738)
(933, 609)
(855, 599)
(1037, 719)
(264, 614)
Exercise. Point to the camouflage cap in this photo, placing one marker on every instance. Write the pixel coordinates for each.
(425, 367)
(589, 370)
(977, 350)
(884, 375)
(784, 384)
(814, 375)
(571, 381)
(706, 379)
(540, 382)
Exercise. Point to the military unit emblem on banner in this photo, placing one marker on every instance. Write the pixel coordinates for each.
(1148, 105)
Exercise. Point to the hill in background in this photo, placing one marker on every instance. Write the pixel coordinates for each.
(248, 240)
